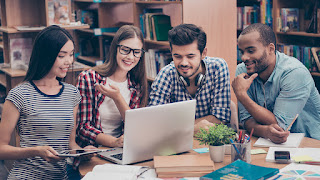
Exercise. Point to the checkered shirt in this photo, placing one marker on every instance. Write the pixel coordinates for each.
(213, 95)
(89, 123)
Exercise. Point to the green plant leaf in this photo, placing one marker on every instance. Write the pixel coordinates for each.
(216, 135)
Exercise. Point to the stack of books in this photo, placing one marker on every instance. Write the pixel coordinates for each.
(183, 165)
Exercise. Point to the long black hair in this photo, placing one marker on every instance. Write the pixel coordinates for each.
(46, 48)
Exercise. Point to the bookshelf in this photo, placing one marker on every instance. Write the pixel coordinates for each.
(36, 16)
(301, 37)
(205, 13)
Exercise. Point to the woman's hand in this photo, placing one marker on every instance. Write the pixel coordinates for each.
(48, 153)
(118, 142)
(112, 91)
(88, 156)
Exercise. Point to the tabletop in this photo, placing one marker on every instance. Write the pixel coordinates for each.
(258, 159)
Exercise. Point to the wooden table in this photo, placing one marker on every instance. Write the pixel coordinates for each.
(259, 159)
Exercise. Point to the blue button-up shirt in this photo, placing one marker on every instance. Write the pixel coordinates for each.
(213, 95)
(290, 90)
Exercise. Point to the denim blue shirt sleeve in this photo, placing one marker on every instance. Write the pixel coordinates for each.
(290, 90)
(213, 95)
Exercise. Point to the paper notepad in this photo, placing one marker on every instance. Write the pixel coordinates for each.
(293, 140)
(295, 153)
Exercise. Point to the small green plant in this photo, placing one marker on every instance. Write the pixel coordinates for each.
(216, 135)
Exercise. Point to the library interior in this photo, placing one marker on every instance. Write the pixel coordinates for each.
(94, 26)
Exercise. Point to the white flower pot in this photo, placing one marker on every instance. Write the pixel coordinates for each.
(217, 153)
(227, 149)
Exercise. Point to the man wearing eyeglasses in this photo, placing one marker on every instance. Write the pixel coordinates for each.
(193, 75)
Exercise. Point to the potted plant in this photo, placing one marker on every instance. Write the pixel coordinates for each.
(216, 137)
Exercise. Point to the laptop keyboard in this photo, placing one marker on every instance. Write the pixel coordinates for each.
(117, 156)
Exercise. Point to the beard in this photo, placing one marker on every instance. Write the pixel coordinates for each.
(184, 73)
(261, 64)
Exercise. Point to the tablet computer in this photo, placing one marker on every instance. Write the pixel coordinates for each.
(80, 152)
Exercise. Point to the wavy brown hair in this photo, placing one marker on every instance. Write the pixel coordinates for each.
(138, 73)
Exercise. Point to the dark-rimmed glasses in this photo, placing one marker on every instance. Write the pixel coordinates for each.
(125, 50)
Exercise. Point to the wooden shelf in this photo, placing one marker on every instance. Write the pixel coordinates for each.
(303, 34)
(3, 79)
(161, 43)
(90, 59)
(11, 30)
(14, 72)
(105, 1)
(158, 2)
(85, 30)
(315, 74)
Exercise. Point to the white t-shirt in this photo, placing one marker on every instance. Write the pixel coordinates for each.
(111, 121)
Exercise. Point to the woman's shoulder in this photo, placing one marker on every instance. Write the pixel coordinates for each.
(90, 74)
(69, 87)
(20, 90)
(22, 87)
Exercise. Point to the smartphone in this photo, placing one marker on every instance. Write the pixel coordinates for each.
(282, 156)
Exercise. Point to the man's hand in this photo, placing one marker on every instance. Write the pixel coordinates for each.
(242, 83)
(205, 124)
(276, 134)
(112, 91)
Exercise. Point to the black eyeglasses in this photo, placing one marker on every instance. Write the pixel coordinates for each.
(125, 50)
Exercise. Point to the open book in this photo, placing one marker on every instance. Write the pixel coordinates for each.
(114, 171)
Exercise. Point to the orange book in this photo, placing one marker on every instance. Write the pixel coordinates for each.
(183, 163)
(183, 174)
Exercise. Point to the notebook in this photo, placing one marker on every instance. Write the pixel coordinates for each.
(293, 140)
(241, 170)
(155, 131)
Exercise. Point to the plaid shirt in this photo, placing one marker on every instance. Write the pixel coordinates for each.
(89, 123)
(213, 95)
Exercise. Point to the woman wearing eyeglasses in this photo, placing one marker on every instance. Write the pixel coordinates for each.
(110, 89)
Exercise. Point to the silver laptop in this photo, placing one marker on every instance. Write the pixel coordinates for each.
(155, 131)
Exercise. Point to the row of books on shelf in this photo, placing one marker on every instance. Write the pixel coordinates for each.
(266, 12)
(247, 15)
(154, 24)
(295, 20)
(309, 56)
(289, 20)
(155, 60)
(58, 13)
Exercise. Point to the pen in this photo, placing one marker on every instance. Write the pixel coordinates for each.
(294, 119)
(251, 134)
(309, 162)
(236, 149)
